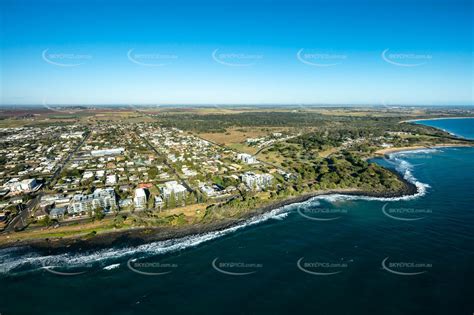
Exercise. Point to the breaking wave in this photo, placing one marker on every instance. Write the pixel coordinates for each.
(415, 152)
(110, 267)
(12, 259)
(403, 167)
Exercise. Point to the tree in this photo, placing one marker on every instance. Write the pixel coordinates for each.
(190, 198)
(46, 221)
(153, 172)
(98, 213)
(151, 201)
(172, 200)
(119, 220)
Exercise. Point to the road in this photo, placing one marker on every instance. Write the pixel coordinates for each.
(224, 146)
(255, 155)
(276, 141)
(63, 164)
(20, 221)
(183, 182)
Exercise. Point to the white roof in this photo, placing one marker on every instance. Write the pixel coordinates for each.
(140, 192)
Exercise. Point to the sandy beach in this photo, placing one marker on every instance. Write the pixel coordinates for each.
(382, 152)
(437, 118)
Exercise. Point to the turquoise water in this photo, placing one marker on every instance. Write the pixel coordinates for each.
(463, 127)
(332, 255)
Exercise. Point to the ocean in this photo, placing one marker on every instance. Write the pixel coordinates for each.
(462, 127)
(330, 255)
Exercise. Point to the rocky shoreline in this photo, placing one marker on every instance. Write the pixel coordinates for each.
(138, 236)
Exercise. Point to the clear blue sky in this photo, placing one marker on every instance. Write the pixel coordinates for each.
(237, 52)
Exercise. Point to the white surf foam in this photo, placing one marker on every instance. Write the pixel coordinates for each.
(10, 260)
(415, 151)
(404, 168)
(110, 267)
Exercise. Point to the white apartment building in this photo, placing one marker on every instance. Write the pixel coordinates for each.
(104, 152)
(172, 187)
(26, 185)
(140, 200)
(72, 135)
(257, 181)
(101, 198)
(247, 158)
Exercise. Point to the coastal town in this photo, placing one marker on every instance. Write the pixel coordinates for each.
(235, 157)
(97, 171)
(67, 174)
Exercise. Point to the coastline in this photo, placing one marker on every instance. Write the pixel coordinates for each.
(383, 152)
(437, 118)
(142, 235)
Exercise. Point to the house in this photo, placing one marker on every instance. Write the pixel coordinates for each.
(111, 180)
(126, 202)
(46, 205)
(4, 192)
(210, 191)
(57, 213)
(87, 175)
(40, 214)
(28, 184)
(187, 172)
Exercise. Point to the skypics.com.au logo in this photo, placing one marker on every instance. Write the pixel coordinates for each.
(235, 59)
(318, 268)
(65, 269)
(405, 214)
(321, 214)
(235, 268)
(62, 59)
(405, 59)
(150, 268)
(405, 268)
(150, 59)
(320, 59)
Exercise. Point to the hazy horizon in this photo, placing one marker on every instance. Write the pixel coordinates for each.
(236, 52)
(269, 105)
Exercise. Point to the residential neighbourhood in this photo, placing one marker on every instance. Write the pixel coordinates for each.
(71, 173)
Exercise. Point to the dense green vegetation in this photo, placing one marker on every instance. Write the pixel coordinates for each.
(346, 126)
